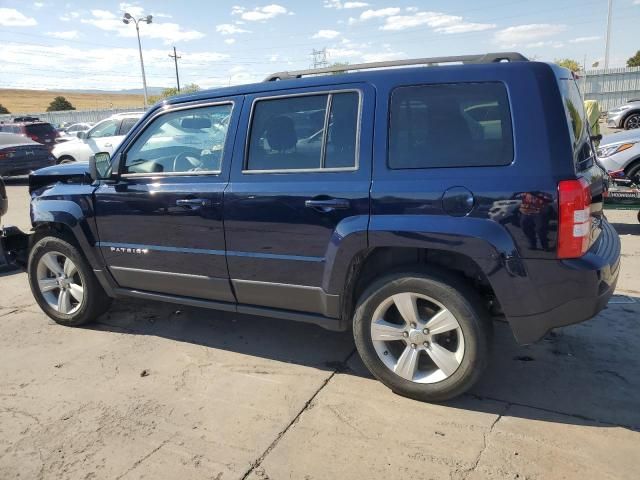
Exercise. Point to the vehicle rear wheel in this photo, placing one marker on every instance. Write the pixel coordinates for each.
(425, 336)
(63, 284)
(632, 121)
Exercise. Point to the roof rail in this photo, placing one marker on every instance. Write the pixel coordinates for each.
(482, 58)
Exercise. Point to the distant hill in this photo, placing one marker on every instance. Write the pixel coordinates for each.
(37, 101)
(130, 91)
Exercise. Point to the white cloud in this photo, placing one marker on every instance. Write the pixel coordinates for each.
(347, 5)
(229, 29)
(382, 56)
(67, 17)
(229, 41)
(440, 22)
(68, 35)
(168, 32)
(526, 34)
(10, 17)
(133, 9)
(260, 13)
(587, 39)
(328, 34)
(38, 4)
(380, 13)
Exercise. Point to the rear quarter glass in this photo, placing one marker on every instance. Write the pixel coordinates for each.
(466, 124)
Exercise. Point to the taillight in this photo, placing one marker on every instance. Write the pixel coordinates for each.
(7, 154)
(574, 218)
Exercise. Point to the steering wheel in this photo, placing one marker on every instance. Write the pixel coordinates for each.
(189, 160)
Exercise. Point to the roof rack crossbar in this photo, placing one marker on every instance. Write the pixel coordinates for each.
(482, 58)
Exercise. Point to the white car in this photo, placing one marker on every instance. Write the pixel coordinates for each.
(105, 136)
(71, 132)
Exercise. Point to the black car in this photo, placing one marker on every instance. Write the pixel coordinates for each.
(21, 156)
(408, 205)
(33, 128)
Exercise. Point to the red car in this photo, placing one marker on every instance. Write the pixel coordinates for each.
(41, 132)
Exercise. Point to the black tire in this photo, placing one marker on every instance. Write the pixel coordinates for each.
(465, 305)
(632, 121)
(94, 300)
(633, 173)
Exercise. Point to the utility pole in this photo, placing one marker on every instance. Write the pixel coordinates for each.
(606, 46)
(320, 58)
(175, 59)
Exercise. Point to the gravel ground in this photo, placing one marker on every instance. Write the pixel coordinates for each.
(159, 391)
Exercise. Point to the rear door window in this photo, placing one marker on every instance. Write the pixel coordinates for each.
(309, 132)
(450, 125)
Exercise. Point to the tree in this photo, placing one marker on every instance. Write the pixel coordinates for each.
(3, 109)
(569, 63)
(634, 61)
(173, 91)
(60, 104)
(338, 65)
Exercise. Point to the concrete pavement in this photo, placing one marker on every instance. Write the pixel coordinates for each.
(162, 391)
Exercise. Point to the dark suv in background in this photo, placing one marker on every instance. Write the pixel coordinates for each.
(410, 205)
(36, 130)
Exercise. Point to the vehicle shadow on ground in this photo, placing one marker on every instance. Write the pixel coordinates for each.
(627, 228)
(584, 374)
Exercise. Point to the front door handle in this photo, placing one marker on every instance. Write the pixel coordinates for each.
(193, 202)
(327, 205)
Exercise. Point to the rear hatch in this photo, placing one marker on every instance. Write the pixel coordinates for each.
(589, 174)
(42, 133)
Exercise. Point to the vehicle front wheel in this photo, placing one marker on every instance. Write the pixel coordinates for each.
(63, 283)
(424, 335)
(632, 121)
(66, 159)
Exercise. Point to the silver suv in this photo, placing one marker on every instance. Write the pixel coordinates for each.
(625, 116)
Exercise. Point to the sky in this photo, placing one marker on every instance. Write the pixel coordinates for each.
(85, 45)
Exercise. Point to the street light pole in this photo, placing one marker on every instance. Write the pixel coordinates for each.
(606, 45)
(128, 18)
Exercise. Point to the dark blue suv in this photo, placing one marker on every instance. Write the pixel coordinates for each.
(410, 204)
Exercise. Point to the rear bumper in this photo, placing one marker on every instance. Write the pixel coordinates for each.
(586, 285)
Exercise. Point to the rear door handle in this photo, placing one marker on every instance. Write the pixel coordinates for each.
(328, 205)
(193, 202)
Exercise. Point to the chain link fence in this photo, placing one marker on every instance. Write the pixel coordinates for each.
(72, 116)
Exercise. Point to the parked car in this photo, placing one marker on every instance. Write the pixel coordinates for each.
(36, 130)
(625, 116)
(71, 131)
(21, 156)
(621, 152)
(105, 136)
(383, 225)
(4, 200)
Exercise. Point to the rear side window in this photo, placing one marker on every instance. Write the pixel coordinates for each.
(39, 129)
(577, 122)
(450, 125)
(308, 132)
(126, 125)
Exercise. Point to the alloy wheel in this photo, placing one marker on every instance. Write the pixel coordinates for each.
(633, 122)
(60, 282)
(417, 338)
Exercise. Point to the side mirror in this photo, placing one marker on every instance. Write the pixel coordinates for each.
(596, 138)
(82, 135)
(100, 166)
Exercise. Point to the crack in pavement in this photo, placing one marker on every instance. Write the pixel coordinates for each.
(137, 463)
(256, 463)
(485, 442)
(635, 428)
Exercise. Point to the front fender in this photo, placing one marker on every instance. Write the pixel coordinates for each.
(72, 209)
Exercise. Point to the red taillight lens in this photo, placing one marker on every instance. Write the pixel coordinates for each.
(7, 154)
(574, 218)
